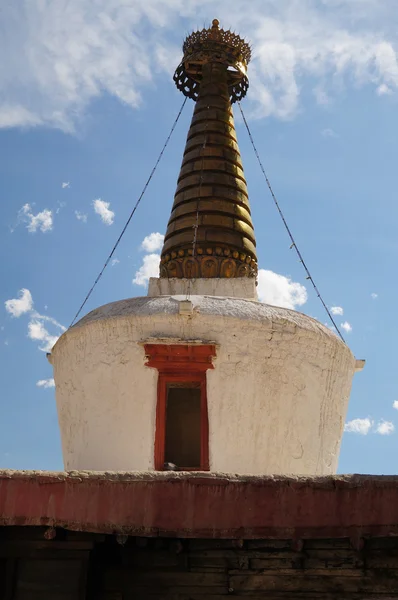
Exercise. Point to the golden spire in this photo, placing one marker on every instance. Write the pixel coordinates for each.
(210, 231)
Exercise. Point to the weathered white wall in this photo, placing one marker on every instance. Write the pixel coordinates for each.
(236, 287)
(277, 396)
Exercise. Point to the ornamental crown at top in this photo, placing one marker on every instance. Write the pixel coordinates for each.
(214, 45)
(237, 45)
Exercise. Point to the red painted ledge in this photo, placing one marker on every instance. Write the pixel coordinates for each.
(194, 505)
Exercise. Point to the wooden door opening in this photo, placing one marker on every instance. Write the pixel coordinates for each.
(183, 425)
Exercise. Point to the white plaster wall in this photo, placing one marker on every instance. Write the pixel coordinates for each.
(277, 397)
(236, 287)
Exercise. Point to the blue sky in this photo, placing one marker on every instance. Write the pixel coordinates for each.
(88, 100)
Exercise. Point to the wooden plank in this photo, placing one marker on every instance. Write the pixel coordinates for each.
(147, 559)
(383, 561)
(272, 563)
(31, 545)
(43, 550)
(180, 579)
(297, 573)
(331, 553)
(271, 554)
(174, 593)
(236, 561)
(390, 543)
(305, 583)
(327, 543)
(204, 544)
(269, 544)
(270, 596)
(333, 563)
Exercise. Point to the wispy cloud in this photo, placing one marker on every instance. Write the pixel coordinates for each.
(374, 296)
(60, 206)
(279, 290)
(329, 133)
(346, 326)
(395, 404)
(46, 383)
(336, 310)
(115, 261)
(68, 55)
(37, 331)
(42, 221)
(102, 209)
(81, 216)
(65, 184)
(153, 242)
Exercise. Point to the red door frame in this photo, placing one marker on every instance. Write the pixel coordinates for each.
(179, 363)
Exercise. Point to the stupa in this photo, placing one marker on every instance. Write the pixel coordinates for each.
(200, 374)
(199, 377)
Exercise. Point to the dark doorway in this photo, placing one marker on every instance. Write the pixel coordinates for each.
(183, 425)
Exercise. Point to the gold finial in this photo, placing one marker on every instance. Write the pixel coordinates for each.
(210, 231)
(214, 45)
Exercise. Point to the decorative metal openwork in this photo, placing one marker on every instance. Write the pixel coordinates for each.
(214, 45)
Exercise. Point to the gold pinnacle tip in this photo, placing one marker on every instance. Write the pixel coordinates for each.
(216, 23)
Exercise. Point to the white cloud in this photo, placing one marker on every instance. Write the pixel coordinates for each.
(65, 184)
(42, 221)
(346, 326)
(383, 90)
(19, 306)
(374, 296)
(361, 426)
(115, 261)
(329, 133)
(149, 268)
(46, 383)
(336, 310)
(395, 404)
(102, 209)
(66, 55)
(385, 428)
(36, 329)
(364, 426)
(153, 242)
(80, 216)
(279, 290)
